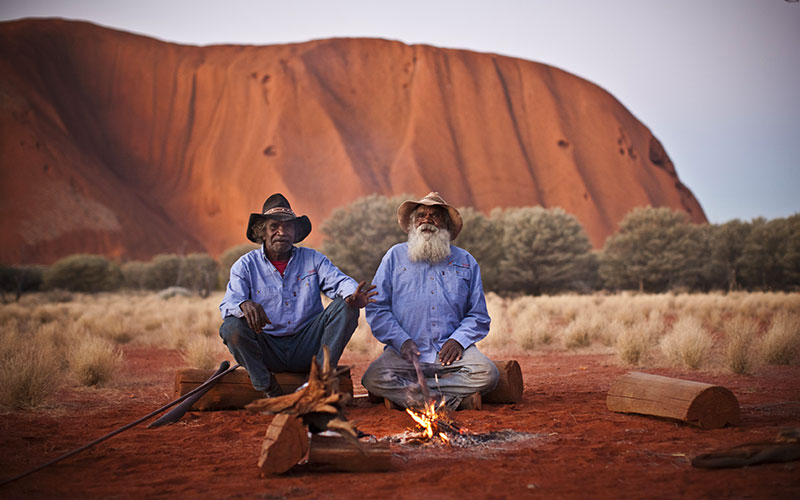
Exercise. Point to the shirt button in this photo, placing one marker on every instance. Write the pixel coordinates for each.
(290, 322)
(432, 292)
(286, 303)
(433, 308)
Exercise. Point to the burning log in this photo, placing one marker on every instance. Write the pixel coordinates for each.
(696, 403)
(235, 390)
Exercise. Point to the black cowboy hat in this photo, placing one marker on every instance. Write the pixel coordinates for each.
(277, 208)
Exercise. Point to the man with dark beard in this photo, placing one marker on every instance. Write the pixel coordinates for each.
(430, 311)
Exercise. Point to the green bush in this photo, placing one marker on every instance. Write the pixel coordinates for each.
(546, 251)
(358, 235)
(83, 273)
(135, 274)
(164, 271)
(655, 249)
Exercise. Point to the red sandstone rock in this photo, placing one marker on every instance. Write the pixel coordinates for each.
(123, 145)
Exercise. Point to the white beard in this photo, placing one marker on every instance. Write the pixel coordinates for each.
(430, 246)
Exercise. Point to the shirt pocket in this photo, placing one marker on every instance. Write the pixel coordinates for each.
(457, 280)
(305, 287)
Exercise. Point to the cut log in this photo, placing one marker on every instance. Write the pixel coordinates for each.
(285, 444)
(696, 403)
(508, 390)
(509, 385)
(336, 454)
(235, 390)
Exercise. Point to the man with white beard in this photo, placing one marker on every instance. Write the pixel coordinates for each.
(430, 311)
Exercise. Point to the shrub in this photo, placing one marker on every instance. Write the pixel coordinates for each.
(30, 371)
(781, 343)
(655, 249)
(546, 251)
(740, 332)
(164, 271)
(17, 280)
(93, 361)
(358, 235)
(135, 275)
(687, 343)
(203, 352)
(83, 273)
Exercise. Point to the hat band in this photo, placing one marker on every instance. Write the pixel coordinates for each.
(280, 210)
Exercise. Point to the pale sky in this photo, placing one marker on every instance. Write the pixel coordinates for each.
(716, 81)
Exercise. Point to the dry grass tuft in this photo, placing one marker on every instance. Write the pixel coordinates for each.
(740, 332)
(687, 344)
(632, 344)
(30, 371)
(781, 344)
(203, 353)
(93, 360)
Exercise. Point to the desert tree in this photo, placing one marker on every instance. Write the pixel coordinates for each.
(359, 234)
(16, 280)
(545, 251)
(726, 245)
(655, 249)
(83, 273)
(765, 254)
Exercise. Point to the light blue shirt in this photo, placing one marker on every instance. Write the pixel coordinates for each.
(428, 303)
(291, 300)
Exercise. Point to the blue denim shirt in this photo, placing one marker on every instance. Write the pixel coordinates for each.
(428, 303)
(290, 301)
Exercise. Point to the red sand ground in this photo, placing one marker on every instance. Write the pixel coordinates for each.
(581, 450)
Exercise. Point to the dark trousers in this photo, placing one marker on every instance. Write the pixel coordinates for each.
(261, 354)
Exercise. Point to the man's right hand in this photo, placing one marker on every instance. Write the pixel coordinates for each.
(254, 314)
(409, 350)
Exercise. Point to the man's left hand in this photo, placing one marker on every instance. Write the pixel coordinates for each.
(451, 351)
(362, 296)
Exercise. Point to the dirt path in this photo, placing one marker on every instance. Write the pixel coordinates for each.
(576, 447)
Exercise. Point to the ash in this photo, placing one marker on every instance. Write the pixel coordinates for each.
(464, 440)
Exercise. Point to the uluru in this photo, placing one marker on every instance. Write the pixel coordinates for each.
(118, 144)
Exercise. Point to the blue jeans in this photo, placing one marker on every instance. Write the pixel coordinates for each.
(261, 354)
(393, 377)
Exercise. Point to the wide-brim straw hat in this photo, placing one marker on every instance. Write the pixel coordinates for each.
(277, 208)
(433, 198)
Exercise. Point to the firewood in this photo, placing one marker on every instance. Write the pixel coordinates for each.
(509, 385)
(696, 403)
(235, 390)
(285, 444)
(336, 454)
(318, 401)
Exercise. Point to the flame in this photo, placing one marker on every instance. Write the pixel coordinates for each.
(428, 419)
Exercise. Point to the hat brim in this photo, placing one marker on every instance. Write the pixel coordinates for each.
(302, 226)
(406, 208)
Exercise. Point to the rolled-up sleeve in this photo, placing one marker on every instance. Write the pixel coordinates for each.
(333, 282)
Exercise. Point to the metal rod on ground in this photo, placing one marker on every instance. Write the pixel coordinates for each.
(211, 381)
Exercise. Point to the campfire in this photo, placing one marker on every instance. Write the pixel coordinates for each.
(433, 423)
